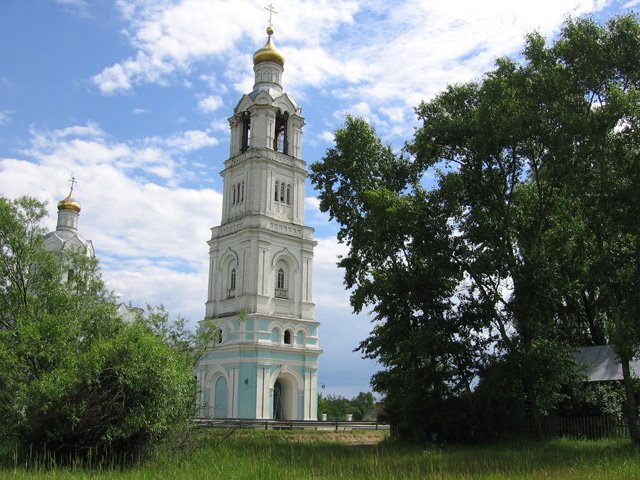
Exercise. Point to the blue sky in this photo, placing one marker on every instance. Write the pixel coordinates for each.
(132, 98)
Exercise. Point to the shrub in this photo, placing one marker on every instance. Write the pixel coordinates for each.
(120, 394)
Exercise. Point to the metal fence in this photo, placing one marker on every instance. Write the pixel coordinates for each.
(287, 424)
(576, 426)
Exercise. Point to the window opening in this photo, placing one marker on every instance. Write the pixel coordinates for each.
(281, 290)
(232, 282)
(218, 335)
(288, 194)
(277, 190)
(234, 195)
(287, 337)
(246, 132)
(280, 137)
(282, 192)
(242, 198)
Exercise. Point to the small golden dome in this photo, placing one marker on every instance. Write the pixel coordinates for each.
(268, 53)
(69, 203)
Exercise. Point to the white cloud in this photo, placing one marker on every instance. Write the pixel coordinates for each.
(311, 203)
(140, 111)
(210, 104)
(220, 126)
(146, 232)
(328, 288)
(112, 79)
(79, 7)
(73, 3)
(327, 136)
(382, 58)
(171, 35)
(187, 141)
(5, 117)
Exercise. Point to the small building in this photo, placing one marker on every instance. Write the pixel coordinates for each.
(602, 363)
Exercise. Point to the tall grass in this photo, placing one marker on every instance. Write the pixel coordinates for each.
(354, 455)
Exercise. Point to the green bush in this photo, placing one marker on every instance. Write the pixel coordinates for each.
(75, 377)
(123, 392)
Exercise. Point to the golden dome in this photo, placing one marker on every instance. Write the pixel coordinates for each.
(268, 53)
(69, 203)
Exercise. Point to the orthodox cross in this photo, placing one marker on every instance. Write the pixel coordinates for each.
(73, 182)
(271, 9)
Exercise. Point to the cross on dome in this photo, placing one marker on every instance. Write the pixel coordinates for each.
(271, 9)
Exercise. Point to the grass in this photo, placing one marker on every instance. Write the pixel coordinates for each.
(357, 455)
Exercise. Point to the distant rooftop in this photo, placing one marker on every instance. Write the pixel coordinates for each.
(603, 363)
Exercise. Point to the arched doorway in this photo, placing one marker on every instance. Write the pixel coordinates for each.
(285, 395)
(220, 405)
(277, 401)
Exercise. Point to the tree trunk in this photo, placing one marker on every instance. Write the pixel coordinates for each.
(630, 396)
(536, 419)
(630, 402)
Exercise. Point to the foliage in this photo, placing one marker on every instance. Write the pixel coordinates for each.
(75, 376)
(337, 407)
(174, 333)
(523, 249)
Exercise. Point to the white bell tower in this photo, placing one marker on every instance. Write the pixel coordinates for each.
(264, 360)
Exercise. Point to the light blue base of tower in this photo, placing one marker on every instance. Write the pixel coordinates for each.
(262, 372)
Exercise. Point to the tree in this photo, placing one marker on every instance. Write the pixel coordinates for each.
(399, 262)
(75, 377)
(597, 69)
(524, 248)
(337, 407)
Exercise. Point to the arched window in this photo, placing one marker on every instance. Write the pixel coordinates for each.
(282, 187)
(232, 283)
(275, 335)
(276, 191)
(288, 194)
(234, 195)
(287, 337)
(281, 284)
(242, 190)
(246, 132)
(280, 137)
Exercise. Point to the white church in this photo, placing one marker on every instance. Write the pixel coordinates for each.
(263, 363)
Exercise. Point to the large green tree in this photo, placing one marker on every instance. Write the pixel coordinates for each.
(74, 375)
(525, 246)
(597, 69)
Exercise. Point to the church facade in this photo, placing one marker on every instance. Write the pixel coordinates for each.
(66, 237)
(263, 360)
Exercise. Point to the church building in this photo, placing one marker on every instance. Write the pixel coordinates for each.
(263, 361)
(66, 237)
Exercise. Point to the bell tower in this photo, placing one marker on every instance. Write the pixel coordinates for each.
(263, 361)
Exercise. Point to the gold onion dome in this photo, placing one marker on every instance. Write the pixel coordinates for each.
(69, 203)
(268, 53)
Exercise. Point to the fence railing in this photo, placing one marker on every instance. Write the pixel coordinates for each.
(287, 424)
(576, 426)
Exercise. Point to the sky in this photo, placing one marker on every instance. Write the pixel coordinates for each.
(132, 97)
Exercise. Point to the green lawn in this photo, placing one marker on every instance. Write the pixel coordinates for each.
(363, 455)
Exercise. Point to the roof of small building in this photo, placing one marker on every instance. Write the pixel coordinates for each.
(602, 363)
